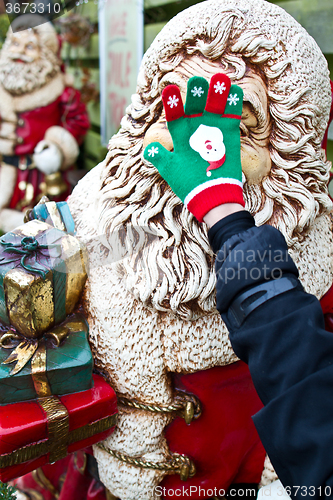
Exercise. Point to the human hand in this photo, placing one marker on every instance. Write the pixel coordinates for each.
(204, 169)
(47, 157)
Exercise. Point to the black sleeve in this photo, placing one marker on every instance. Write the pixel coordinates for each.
(288, 351)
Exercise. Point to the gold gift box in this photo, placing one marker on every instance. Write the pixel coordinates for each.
(33, 305)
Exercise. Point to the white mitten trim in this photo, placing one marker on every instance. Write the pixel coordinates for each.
(66, 142)
(47, 157)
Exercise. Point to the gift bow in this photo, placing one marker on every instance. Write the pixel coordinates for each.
(29, 247)
(25, 348)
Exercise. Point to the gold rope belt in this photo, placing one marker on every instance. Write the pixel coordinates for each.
(177, 464)
(185, 405)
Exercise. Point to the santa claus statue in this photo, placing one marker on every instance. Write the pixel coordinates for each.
(150, 297)
(42, 121)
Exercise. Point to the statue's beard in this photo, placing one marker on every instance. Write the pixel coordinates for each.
(24, 77)
(164, 245)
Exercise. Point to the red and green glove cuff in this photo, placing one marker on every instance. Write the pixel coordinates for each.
(204, 170)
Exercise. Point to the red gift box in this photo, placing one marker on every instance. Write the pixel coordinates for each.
(34, 433)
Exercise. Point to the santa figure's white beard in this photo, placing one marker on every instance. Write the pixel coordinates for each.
(21, 78)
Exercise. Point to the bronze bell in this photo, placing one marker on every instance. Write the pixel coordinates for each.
(54, 184)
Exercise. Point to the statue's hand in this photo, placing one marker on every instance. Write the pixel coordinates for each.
(47, 157)
(204, 169)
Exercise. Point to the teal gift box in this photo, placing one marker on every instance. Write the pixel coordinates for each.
(58, 363)
(42, 274)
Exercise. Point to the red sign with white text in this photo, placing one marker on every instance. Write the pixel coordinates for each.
(121, 48)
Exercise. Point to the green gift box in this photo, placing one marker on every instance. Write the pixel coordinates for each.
(42, 274)
(59, 363)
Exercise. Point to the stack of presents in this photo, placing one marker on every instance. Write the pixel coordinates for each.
(51, 403)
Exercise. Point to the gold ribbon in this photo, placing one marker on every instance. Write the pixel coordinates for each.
(58, 426)
(21, 354)
(27, 348)
(35, 450)
(38, 371)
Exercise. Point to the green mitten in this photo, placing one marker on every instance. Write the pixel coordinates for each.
(204, 169)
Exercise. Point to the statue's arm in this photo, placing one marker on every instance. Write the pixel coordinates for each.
(288, 351)
(60, 147)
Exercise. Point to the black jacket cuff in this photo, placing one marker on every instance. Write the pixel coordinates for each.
(229, 226)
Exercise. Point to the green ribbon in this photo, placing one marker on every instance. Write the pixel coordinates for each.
(29, 247)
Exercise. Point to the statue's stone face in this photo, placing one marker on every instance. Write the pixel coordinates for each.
(255, 125)
(26, 62)
(24, 46)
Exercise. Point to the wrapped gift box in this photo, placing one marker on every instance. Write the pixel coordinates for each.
(42, 274)
(56, 214)
(68, 366)
(43, 431)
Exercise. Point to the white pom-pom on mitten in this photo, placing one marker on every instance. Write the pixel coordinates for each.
(47, 157)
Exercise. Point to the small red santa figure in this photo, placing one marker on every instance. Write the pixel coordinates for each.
(208, 142)
(42, 122)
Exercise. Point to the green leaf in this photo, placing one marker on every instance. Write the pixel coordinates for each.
(7, 492)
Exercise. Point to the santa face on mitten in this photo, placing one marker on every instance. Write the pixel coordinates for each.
(208, 142)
